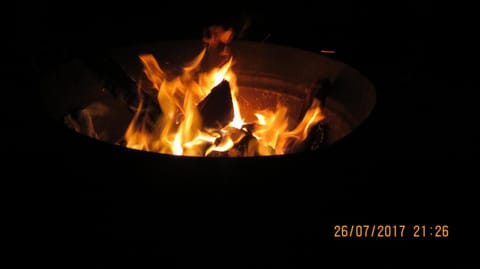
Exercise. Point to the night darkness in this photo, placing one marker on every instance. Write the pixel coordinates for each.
(412, 162)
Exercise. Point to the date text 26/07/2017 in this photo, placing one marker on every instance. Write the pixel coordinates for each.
(390, 231)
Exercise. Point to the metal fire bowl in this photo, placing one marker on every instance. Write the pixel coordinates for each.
(265, 72)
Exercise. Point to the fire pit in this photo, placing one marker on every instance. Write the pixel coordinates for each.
(239, 99)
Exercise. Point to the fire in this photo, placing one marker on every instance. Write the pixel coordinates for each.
(181, 129)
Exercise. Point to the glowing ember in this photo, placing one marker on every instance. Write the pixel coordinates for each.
(179, 130)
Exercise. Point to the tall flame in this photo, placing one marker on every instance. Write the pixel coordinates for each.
(178, 130)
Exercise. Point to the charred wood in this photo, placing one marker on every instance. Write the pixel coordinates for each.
(217, 109)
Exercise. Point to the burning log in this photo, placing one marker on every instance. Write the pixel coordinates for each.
(317, 133)
(315, 139)
(245, 144)
(320, 90)
(217, 109)
(239, 137)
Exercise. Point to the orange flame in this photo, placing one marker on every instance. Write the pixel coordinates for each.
(178, 130)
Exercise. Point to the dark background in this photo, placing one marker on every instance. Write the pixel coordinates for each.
(412, 162)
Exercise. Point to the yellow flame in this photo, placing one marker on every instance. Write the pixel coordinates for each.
(271, 126)
(178, 129)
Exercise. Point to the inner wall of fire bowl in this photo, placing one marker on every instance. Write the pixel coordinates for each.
(266, 75)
